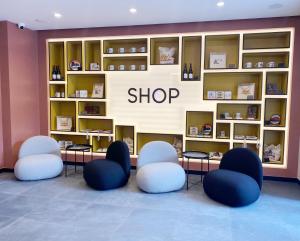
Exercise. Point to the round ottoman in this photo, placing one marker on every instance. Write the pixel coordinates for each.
(160, 177)
(102, 174)
(37, 167)
(231, 188)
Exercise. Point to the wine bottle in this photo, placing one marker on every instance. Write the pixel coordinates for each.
(191, 75)
(54, 76)
(185, 73)
(58, 75)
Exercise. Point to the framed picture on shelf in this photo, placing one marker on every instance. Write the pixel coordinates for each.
(246, 91)
(98, 90)
(217, 60)
(63, 123)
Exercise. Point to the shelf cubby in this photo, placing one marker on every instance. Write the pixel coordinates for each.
(62, 108)
(227, 44)
(252, 147)
(246, 130)
(275, 106)
(126, 134)
(75, 139)
(267, 40)
(91, 108)
(207, 146)
(127, 44)
(101, 143)
(126, 61)
(230, 82)
(266, 57)
(55, 88)
(144, 138)
(238, 108)
(275, 138)
(56, 58)
(85, 82)
(191, 54)
(277, 83)
(87, 125)
(197, 119)
(74, 52)
(92, 53)
(167, 42)
(225, 127)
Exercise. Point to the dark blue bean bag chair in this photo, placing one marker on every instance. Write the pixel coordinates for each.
(111, 172)
(238, 181)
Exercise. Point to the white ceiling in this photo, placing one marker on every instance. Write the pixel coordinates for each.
(38, 14)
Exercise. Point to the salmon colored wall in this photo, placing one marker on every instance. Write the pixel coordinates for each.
(19, 89)
(291, 170)
(1, 130)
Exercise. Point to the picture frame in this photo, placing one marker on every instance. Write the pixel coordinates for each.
(98, 90)
(246, 91)
(64, 123)
(217, 60)
(193, 131)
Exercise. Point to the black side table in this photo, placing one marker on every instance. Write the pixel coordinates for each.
(77, 148)
(195, 155)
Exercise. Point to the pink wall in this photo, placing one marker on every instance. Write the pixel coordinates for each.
(291, 171)
(19, 89)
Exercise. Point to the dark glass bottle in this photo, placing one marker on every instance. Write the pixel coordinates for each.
(58, 74)
(191, 74)
(185, 73)
(54, 74)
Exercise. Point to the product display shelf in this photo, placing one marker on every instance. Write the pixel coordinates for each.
(126, 133)
(125, 46)
(168, 42)
(74, 52)
(56, 54)
(134, 63)
(92, 55)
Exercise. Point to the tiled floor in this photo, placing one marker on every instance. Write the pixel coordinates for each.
(65, 209)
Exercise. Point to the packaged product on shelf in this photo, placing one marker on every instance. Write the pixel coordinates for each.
(166, 55)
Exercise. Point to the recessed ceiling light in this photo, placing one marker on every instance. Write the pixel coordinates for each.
(132, 10)
(57, 15)
(275, 6)
(220, 3)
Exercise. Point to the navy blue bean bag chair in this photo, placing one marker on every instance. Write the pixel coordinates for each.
(238, 181)
(111, 172)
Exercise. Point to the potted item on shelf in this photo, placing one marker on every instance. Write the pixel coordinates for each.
(252, 112)
(142, 67)
(215, 155)
(111, 67)
(217, 60)
(110, 50)
(193, 131)
(272, 89)
(246, 91)
(63, 123)
(166, 55)
(98, 90)
(142, 49)
(132, 50)
(225, 116)
(238, 116)
(272, 153)
(177, 144)
(132, 67)
(94, 66)
(121, 50)
(121, 67)
(75, 65)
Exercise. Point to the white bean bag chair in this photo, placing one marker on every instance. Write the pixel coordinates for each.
(39, 158)
(158, 169)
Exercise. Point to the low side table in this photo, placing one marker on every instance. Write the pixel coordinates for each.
(195, 155)
(77, 148)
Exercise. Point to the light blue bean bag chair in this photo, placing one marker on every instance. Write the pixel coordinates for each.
(39, 158)
(158, 168)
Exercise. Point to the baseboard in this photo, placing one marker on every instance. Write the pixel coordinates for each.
(6, 170)
(281, 179)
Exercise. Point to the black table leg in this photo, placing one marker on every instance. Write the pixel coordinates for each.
(75, 161)
(66, 164)
(201, 169)
(187, 173)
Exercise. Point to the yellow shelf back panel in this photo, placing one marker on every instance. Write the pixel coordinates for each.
(207, 146)
(246, 130)
(128, 45)
(101, 143)
(231, 82)
(56, 89)
(252, 147)
(96, 125)
(280, 59)
(76, 139)
(267, 40)
(167, 42)
(225, 128)
(274, 138)
(227, 44)
(92, 53)
(198, 119)
(277, 80)
(88, 108)
(74, 52)
(127, 62)
(243, 109)
(77, 82)
(62, 108)
(191, 54)
(56, 57)
(144, 138)
(273, 107)
(123, 132)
